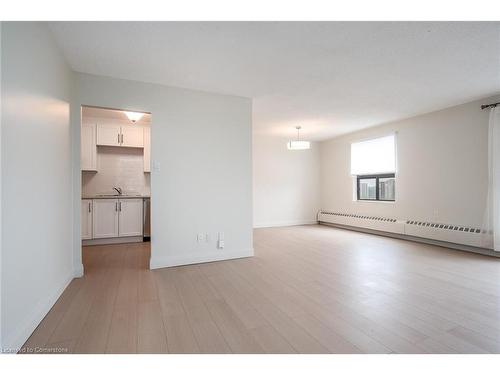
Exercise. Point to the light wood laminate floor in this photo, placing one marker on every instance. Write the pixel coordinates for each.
(309, 289)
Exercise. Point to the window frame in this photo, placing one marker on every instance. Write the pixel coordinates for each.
(377, 186)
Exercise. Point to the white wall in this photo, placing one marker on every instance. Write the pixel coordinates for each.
(36, 178)
(202, 143)
(442, 168)
(1, 241)
(285, 183)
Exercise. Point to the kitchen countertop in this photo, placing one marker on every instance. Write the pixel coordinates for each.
(99, 196)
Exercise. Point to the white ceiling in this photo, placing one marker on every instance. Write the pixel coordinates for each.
(112, 114)
(329, 77)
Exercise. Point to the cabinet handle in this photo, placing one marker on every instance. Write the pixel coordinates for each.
(120, 205)
(118, 138)
(89, 207)
(122, 138)
(116, 206)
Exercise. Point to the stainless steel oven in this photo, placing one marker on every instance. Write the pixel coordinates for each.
(146, 229)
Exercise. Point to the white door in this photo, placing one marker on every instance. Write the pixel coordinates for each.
(132, 136)
(108, 134)
(86, 219)
(147, 149)
(105, 218)
(130, 217)
(88, 153)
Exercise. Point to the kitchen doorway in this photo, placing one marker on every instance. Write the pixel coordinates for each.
(115, 167)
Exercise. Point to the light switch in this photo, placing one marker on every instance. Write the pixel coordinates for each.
(156, 166)
(220, 240)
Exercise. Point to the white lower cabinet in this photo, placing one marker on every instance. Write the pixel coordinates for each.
(86, 219)
(105, 218)
(109, 218)
(130, 217)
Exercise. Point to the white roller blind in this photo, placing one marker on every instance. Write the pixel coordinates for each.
(374, 156)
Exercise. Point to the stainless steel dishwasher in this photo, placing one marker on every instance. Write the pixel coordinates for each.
(146, 226)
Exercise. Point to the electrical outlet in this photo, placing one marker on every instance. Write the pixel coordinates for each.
(200, 237)
(207, 237)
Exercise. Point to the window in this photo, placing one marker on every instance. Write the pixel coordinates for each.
(373, 163)
(376, 187)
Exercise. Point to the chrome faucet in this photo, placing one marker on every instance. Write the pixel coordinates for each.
(118, 190)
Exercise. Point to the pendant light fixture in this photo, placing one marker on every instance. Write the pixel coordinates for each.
(298, 144)
(134, 116)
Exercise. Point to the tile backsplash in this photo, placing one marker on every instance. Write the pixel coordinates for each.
(117, 166)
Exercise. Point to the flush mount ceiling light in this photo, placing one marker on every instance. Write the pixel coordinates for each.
(134, 116)
(298, 144)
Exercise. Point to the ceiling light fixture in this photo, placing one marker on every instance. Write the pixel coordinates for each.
(298, 144)
(134, 116)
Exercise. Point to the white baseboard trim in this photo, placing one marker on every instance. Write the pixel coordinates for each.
(78, 271)
(284, 223)
(15, 341)
(112, 241)
(212, 256)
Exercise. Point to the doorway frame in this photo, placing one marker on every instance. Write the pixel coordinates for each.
(76, 136)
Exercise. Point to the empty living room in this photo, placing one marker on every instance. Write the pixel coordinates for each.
(308, 191)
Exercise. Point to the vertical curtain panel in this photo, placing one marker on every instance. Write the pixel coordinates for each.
(491, 222)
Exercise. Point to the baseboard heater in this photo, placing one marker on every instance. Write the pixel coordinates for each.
(447, 235)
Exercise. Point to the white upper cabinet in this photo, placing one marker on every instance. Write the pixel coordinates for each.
(105, 218)
(132, 136)
(147, 149)
(108, 134)
(86, 219)
(116, 134)
(88, 150)
(130, 221)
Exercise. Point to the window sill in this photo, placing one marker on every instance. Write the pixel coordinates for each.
(369, 201)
